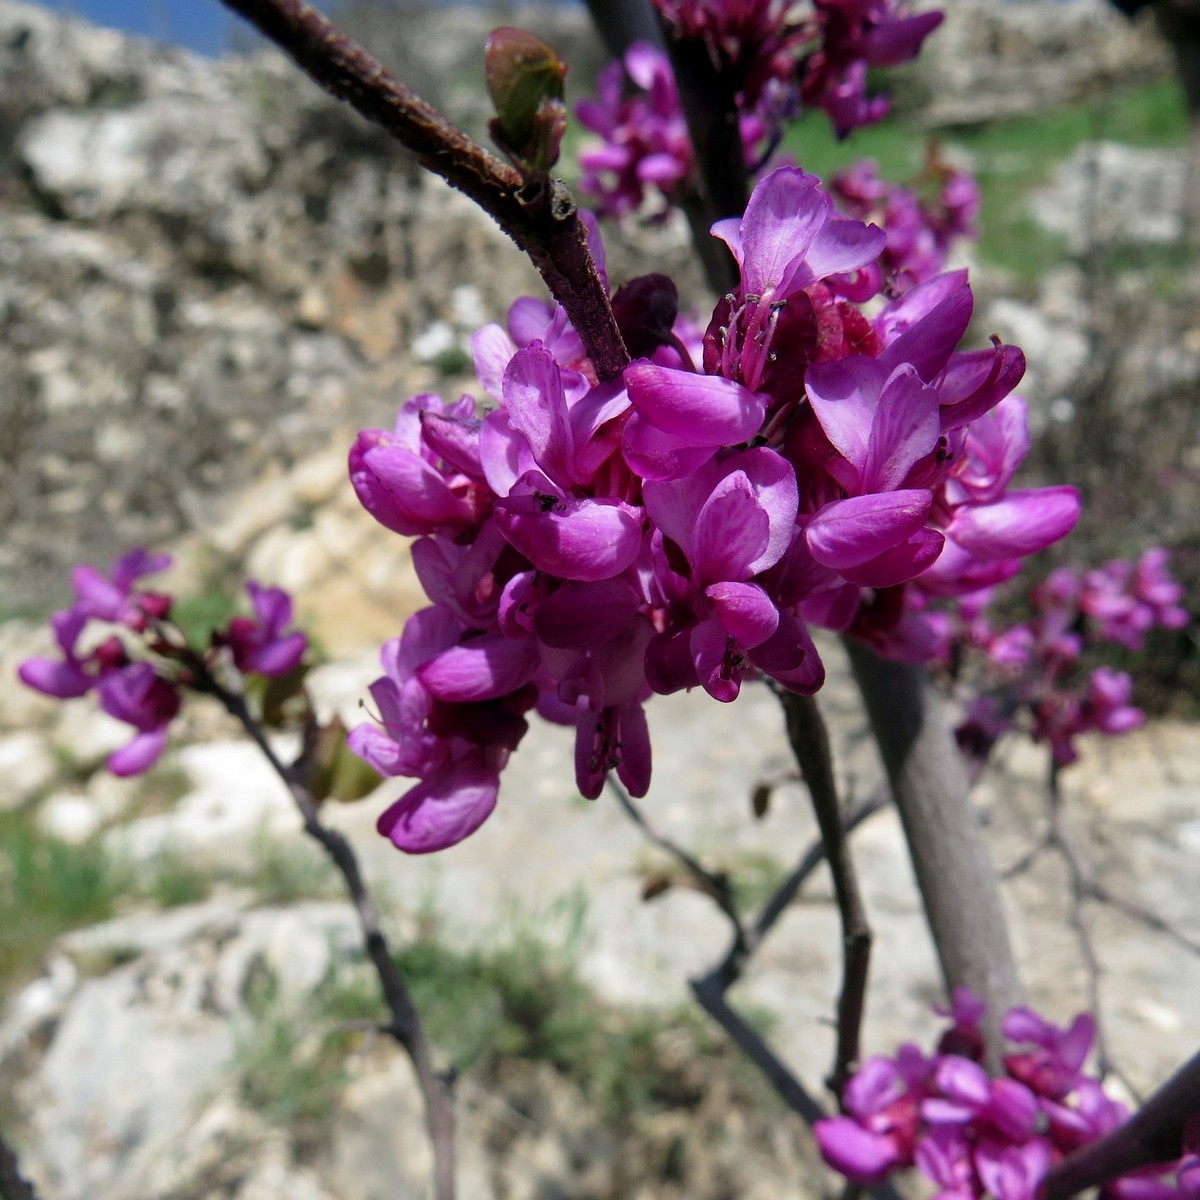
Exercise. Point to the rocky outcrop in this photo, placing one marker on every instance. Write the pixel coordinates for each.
(991, 60)
(208, 269)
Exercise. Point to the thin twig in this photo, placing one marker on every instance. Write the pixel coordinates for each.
(1027, 859)
(711, 883)
(1143, 916)
(405, 1024)
(1083, 886)
(809, 740)
(542, 220)
(711, 997)
(1154, 1134)
(710, 990)
(13, 1185)
(786, 893)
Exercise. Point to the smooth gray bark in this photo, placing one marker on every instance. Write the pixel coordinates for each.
(954, 871)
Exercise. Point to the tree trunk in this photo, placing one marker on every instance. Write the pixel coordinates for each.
(954, 872)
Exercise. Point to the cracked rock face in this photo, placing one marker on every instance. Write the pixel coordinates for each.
(206, 270)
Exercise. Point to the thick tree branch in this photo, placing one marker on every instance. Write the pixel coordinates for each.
(543, 221)
(954, 872)
(721, 186)
(1154, 1134)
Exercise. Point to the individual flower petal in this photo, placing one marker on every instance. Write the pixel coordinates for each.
(699, 410)
(844, 245)
(441, 811)
(745, 611)
(585, 614)
(655, 455)
(899, 564)
(535, 403)
(402, 491)
(51, 677)
(784, 213)
(719, 662)
(731, 532)
(905, 429)
(480, 668)
(925, 325)
(861, 1156)
(568, 538)
(1020, 524)
(977, 380)
(848, 533)
(492, 350)
(140, 754)
(790, 657)
(612, 739)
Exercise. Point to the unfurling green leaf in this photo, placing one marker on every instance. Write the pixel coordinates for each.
(337, 773)
(525, 81)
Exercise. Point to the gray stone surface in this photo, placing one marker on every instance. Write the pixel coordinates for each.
(1019, 57)
(196, 316)
(1108, 194)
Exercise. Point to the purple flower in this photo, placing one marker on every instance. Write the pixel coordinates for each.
(114, 597)
(64, 678)
(412, 486)
(1052, 1067)
(450, 713)
(732, 521)
(133, 692)
(260, 644)
(680, 419)
(790, 237)
(920, 230)
(857, 34)
(646, 148)
(876, 1136)
(138, 696)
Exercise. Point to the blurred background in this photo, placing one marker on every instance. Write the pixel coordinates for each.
(211, 277)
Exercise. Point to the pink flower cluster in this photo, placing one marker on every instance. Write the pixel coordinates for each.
(853, 36)
(770, 57)
(973, 1135)
(122, 620)
(921, 222)
(766, 47)
(1035, 665)
(586, 544)
(645, 149)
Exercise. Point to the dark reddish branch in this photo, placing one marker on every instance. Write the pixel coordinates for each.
(721, 187)
(542, 220)
(809, 740)
(405, 1023)
(13, 1185)
(1154, 1134)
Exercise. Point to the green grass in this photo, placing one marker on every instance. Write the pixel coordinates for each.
(756, 876)
(172, 880)
(524, 1000)
(286, 871)
(1009, 158)
(289, 1059)
(48, 886)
